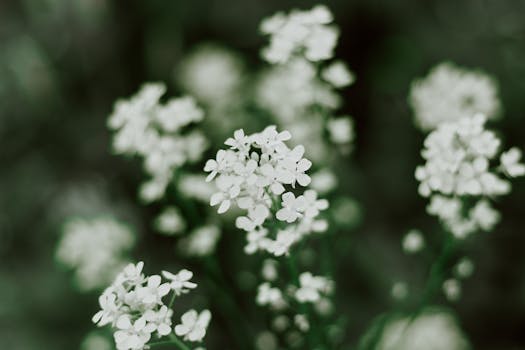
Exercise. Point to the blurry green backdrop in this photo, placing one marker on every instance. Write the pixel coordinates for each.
(64, 62)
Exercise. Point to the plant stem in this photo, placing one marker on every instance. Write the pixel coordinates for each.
(173, 341)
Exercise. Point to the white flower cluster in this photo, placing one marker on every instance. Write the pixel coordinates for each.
(458, 165)
(253, 174)
(134, 308)
(306, 32)
(312, 289)
(154, 131)
(299, 92)
(431, 326)
(450, 93)
(170, 221)
(95, 248)
(211, 73)
(201, 241)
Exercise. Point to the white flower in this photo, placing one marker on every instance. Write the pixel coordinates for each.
(301, 321)
(160, 320)
(311, 287)
(153, 291)
(464, 268)
(211, 72)
(323, 181)
(180, 283)
(193, 325)
(341, 130)
(452, 289)
(338, 74)
(292, 207)
(134, 307)
(251, 174)
(146, 128)
(201, 241)
(170, 221)
(131, 335)
(510, 163)
(95, 249)
(300, 30)
(268, 295)
(431, 326)
(413, 242)
(450, 93)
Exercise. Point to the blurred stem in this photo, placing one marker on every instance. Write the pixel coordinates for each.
(438, 271)
(173, 341)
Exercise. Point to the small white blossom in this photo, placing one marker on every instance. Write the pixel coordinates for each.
(193, 325)
(464, 268)
(312, 287)
(180, 283)
(338, 74)
(300, 32)
(413, 242)
(341, 130)
(510, 163)
(450, 93)
(170, 221)
(201, 241)
(452, 289)
(95, 248)
(268, 295)
(153, 131)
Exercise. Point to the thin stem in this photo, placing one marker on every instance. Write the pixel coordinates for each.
(173, 341)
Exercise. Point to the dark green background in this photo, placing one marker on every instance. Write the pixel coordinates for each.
(64, 62)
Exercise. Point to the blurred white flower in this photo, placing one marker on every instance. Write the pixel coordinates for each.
(323, 181)
(96, 249)
(170, 221)
(341, 130)
(305, 33)
(510, 163)
(413, 242)
(450, 93)
(452, 289)
(193, 325)
(399, 290)
(432, 330)
(302, 323)
(464, 268)
(338, 75)
(201, 241)
(268, 295)
(211, 72)
(458, 164)
(96, 341)
(153, 131)
(312, 287)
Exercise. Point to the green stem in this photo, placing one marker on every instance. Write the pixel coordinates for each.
(178, 342)
(173, 341)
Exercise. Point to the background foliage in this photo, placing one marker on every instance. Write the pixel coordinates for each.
(63, 63)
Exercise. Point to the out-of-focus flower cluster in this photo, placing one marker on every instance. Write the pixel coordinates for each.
(133, 305)
(450, 93)
(96, 249)
(432, 329)
(306, 32)
(252, 174)
(299, 90)
(458, 165)
(156, 132)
